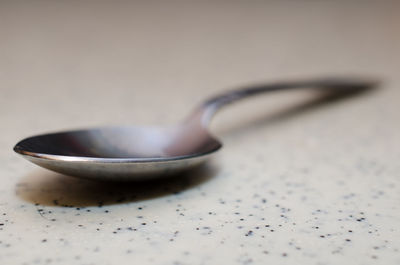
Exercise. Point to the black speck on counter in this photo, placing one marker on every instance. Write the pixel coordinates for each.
(249, 233)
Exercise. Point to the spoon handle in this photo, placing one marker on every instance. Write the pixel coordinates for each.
(332, 85)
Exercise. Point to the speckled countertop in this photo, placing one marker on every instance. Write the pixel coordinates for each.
(299, 180)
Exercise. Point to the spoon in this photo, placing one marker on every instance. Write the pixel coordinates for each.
(134, 153)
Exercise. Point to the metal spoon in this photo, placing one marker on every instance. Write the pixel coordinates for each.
(131, 153)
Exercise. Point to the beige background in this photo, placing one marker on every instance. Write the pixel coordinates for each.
(70, 64)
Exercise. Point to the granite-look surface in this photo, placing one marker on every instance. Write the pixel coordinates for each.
(299, 181)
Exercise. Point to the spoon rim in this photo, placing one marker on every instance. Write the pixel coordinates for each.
(65, 158)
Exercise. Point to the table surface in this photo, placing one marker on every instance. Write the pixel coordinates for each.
(300, 180)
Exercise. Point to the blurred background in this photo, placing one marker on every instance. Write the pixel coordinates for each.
(139, 56)
(72, 64)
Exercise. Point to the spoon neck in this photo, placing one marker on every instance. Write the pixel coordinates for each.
(201, 116)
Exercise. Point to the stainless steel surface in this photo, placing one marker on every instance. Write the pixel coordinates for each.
(132, 153)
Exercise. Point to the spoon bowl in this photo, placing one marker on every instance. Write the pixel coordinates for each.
(117, 153)
(137, 153)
